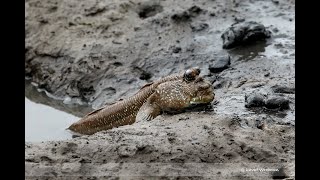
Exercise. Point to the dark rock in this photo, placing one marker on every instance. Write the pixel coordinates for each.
(75, 136)
(277, 102)
(278, 45)
(275, 30)
(221, 64)
(261, 125)
(267, 74)
(239, 20)
(194, 11)
(176, 49)
(220, 84)
(283, 89)
(196, 27)
(171, 139)
(84, 160)
(254, 100)
(186, 15)
(145, 148)
(206, 126)
(145, 76)
(181, 17)
(117, 64)
(244, 33)
(149, 10)
(183, 118)
(85, 91)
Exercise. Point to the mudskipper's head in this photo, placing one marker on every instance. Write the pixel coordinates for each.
(200, 89)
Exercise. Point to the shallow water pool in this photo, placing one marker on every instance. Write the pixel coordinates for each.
(44, 123)
(47, 118)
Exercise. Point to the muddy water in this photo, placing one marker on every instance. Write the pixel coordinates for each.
(46, 118)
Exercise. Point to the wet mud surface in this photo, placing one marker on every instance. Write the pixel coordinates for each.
(87, 54)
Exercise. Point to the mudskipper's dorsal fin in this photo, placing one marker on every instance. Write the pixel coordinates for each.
(144, 86)
(94, 111)
(97, 110)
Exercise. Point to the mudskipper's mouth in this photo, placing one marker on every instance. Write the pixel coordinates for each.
(202, 99)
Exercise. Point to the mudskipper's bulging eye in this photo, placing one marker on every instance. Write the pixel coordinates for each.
(191, 74)
(188, 75)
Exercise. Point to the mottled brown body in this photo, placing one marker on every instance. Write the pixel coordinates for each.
(170, 93)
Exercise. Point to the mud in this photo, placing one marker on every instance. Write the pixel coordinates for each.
(91, 53)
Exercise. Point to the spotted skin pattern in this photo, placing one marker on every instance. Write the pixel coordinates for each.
(170, 93)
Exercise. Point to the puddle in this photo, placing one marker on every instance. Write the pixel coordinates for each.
(270, 48)
(46, 119)
(44, 123)
(250, 51)
(276, 113)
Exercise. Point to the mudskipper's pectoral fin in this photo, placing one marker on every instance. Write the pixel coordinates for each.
(148, 111)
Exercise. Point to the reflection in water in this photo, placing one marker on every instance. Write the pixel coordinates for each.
(34, 95)
(46, 118)
(275, 112)
(250, 51)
